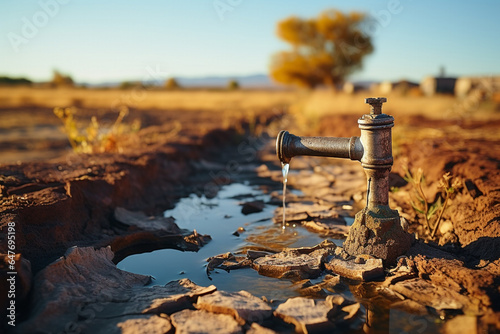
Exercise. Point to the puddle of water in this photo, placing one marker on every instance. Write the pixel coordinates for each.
(349, 221)
(220, 217)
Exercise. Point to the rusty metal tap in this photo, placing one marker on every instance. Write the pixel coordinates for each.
(374, 150)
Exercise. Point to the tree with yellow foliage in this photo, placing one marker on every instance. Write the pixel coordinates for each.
(61, 80)
(325, 49)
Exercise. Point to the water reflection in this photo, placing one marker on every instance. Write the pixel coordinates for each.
(273, 238)
(382, 317)
(220, 217)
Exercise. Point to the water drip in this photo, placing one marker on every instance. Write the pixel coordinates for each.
(284, 168)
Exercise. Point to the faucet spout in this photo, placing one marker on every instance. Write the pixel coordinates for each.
(289, 146)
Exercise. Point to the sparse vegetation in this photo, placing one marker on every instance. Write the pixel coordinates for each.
(233, 85)
(172, 84)
(421, 204)
(8, 81)
(448, 186)
(61, 80)
(95, 138)
(130, 85)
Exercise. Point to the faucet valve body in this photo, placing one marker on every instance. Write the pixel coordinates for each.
(377, 159)
(376, 230)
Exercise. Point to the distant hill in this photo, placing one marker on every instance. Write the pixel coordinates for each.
(245, 81)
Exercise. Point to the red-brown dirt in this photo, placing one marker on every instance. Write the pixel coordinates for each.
(70, 200)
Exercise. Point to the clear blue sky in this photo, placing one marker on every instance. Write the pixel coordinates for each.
(115, 40)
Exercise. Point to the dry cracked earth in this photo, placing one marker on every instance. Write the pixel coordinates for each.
(76, 216)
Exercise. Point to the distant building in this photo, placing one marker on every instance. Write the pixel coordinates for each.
(399, 87)
(358, 86)
(437, 85)
(486, 86)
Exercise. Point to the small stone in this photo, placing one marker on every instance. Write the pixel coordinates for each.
(174, 296)
(138, 220)
(295, 263)
(315, 291)
(371, 269)
(216, 261)
(151, 324)
(306, 314)
(445, 227)
(191, 322)
(325, 244)
(258, 329)
(227, 261)
(242, 305)
(426, 293)
(252, 207)
(252, 254)
(127, 324)
(335, 227)
(289, 264)
(239, 231)
(332, 283)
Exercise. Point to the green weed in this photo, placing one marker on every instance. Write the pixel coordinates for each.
(429, 209)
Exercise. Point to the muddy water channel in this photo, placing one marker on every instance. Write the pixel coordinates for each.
(232, 231)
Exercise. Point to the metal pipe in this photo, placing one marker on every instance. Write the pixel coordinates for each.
(289, 146)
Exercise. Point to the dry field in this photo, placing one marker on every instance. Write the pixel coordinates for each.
(29, 131)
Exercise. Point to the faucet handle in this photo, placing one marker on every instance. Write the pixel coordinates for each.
(376, 104)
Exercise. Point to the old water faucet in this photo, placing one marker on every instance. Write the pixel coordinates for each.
(376, 230)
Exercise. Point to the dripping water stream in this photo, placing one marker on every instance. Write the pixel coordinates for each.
(284, 168)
